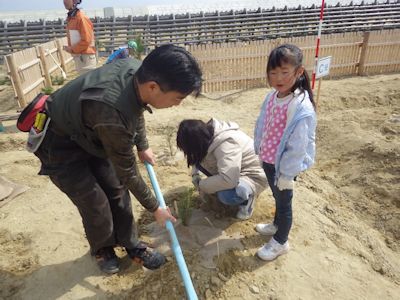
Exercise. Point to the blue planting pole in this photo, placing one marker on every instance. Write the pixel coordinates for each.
(191, 293)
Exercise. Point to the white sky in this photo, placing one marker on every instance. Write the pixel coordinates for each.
(11, 5)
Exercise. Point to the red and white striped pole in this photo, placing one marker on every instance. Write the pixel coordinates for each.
(321, 17)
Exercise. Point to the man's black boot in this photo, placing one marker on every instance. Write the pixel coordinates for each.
(107, 260)
(146, 256)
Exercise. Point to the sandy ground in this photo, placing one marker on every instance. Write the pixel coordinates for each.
(345, 236)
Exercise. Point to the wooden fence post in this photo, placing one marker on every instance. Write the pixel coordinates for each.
(16, 80)
(363, 54)
(61, 54)
(277, 42)
(46, 74)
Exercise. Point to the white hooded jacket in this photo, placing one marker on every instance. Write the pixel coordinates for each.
(231, 156)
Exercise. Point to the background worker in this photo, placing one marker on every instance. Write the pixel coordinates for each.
(123, 52)
(80, 38)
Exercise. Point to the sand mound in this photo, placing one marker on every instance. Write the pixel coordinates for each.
(345, 236)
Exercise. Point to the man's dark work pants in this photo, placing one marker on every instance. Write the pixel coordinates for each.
(93, 186)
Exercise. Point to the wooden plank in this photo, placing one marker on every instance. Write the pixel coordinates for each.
(11, 63)
(52, 69)
(46, 72)
(63, 61)
(361, 67)
(33, 85)
(28, 65)
(9, 117)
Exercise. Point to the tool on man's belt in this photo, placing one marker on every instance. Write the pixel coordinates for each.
(29, 114)
(40, 121)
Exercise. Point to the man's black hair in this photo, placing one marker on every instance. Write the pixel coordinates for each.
(173, 68)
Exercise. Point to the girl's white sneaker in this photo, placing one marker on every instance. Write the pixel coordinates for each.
(272, 250)
(266, 229)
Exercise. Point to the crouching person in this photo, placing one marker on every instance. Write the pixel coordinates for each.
(225, 154)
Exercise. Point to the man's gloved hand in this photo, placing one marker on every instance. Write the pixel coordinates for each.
(285, 183)
(196, 180)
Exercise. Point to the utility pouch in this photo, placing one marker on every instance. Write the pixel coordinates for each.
(27, 118)
(37, 134)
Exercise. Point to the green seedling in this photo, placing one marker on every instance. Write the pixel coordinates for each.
(57, 80)
(48, 90)
(185, 206)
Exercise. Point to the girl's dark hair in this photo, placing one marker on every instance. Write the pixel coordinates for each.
(193, 138)
(291, 54)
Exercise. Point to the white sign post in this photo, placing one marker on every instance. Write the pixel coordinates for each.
(323, 67)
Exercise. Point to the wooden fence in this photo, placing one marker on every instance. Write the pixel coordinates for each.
(242, 65)
(229, 66)
(215, 27)
(32, 69)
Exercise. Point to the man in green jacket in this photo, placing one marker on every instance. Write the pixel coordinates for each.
(87, 151)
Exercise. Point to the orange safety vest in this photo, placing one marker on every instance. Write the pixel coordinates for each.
(80, 34)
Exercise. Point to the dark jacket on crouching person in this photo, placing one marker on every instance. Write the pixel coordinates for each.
(92, 130)
(87, 151)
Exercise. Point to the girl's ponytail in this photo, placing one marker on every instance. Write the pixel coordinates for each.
(291, 54)
(303, 83)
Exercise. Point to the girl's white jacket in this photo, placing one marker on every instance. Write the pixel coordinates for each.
(296, 151)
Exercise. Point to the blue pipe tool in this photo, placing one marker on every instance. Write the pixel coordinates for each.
(176, 248)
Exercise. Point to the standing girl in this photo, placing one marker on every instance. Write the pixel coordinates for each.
(284, 139)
